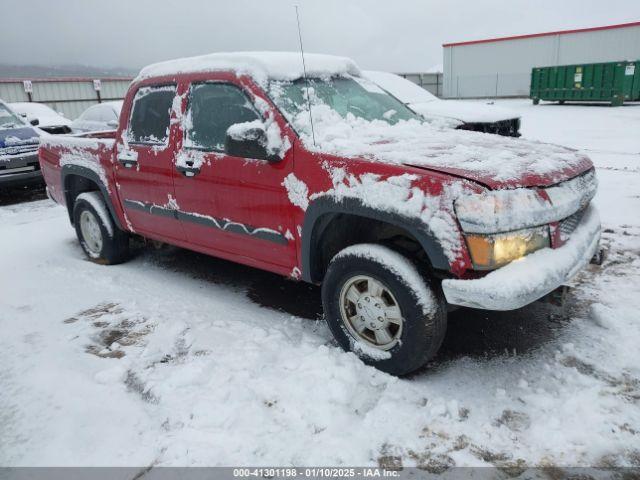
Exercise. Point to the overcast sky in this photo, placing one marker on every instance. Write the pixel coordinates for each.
(400, 35)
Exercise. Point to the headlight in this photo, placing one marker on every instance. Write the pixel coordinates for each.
(508, 210)
(501, 210)
(493, 251)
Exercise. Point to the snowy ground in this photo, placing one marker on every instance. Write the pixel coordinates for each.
(179, 359)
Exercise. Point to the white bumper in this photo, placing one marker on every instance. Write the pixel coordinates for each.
(532, 277)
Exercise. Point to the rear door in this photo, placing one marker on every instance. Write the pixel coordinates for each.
(232, 207)
(145, 164)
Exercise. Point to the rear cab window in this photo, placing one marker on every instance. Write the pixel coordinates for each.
(151, 115)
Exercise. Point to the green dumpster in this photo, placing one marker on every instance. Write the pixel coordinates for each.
(614, 82)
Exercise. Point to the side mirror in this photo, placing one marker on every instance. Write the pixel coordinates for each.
(112, 123)
(35, 122)
(248, 140)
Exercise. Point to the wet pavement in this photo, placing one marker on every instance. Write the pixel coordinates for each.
(470, 333)
(13, 195)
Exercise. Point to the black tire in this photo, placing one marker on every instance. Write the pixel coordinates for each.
(424, 321)
(114, 247)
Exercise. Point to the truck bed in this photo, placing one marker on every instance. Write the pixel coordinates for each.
(93, 151)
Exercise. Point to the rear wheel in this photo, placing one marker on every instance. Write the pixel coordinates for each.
(379, 306)
(102, 241)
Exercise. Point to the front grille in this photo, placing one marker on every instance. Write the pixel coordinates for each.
(19, 149)
(506, 128)
(569, 224)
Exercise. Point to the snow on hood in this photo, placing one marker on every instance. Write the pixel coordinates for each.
(261, 66)
(428, 105)
(47, 117)
(467, 112)
(16, 137)
(495, 161)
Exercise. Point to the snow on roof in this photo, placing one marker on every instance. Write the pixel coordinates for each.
(259, 65)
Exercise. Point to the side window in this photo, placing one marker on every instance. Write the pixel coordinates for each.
(213, 108)
(151, 115)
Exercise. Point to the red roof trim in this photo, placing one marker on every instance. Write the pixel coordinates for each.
(533, 35)
(64, 79)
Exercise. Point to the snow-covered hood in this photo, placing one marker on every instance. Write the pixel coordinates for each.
(466, 112)
(500, 165)
(53, 121)
(18, 137)
(494, 161)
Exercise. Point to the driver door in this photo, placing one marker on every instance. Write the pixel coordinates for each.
(230, 206)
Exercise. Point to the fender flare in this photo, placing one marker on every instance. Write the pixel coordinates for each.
(318, 216)
(80, 171)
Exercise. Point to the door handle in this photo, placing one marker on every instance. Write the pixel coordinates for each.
(128, 158)
(188, 170)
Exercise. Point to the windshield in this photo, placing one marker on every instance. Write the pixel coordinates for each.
(8, 119)
(404, 90)
(343, 95)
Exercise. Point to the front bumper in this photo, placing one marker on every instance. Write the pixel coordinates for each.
(532, 277)
(21, 169)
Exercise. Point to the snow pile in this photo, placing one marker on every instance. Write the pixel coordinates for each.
(419, 144)
(261, 66)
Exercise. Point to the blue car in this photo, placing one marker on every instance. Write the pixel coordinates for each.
(18, 150)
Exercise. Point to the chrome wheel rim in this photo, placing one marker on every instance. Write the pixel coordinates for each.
(370, 312)
(91, 233)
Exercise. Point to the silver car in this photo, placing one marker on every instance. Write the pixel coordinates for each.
(103, 116)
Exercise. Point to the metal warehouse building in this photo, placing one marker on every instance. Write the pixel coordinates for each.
(70, 96)
(501, 67)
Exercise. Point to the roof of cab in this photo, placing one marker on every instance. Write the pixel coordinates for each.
(261, 66)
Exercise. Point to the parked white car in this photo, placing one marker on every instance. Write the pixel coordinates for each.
(468, 116)
(103, 116)
(48, 119)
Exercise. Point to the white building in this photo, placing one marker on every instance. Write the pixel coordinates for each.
(502, 66)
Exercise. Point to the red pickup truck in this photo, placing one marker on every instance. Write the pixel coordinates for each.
(327, 178)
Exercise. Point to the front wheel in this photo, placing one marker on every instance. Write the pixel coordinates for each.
(378, 305)
(100, 238)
